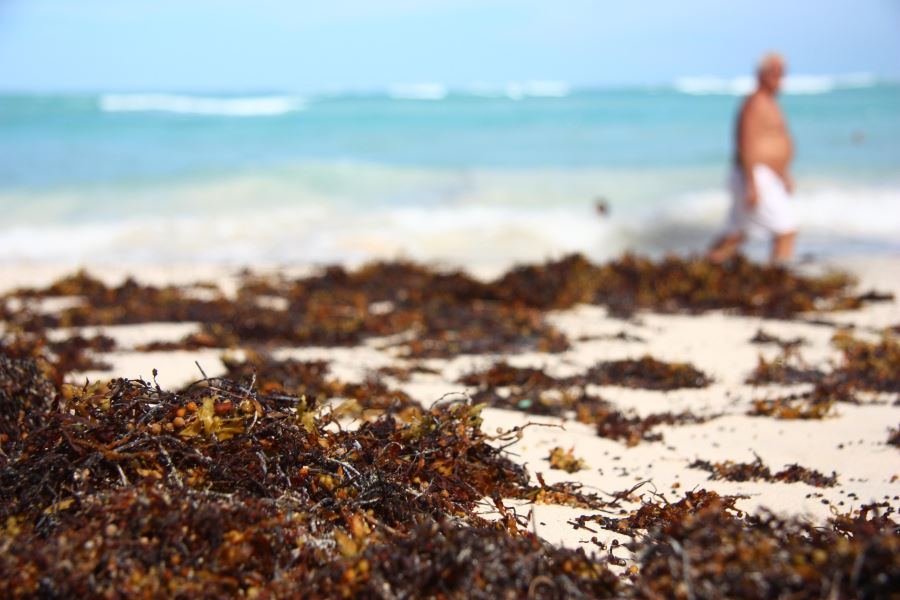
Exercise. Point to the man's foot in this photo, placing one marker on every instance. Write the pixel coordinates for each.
(725, 247)
(783, 247)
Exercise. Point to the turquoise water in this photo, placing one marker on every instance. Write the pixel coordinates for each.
(425, 172)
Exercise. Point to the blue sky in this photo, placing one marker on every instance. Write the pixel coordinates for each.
(364, 44)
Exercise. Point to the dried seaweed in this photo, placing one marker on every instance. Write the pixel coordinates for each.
(122, 488)
(654, 514)
(795, 406)
(445, 313)
(894, 436)
(787, 368)
(309, 380)
(865, 366)
(633, 429)
(764, 337)
(712, 553)
(565, 460)
(647, 373)
(757, 470)
(533, 391)
(869, 366)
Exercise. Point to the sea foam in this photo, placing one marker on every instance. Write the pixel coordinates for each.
(253, 106)
(793, 84)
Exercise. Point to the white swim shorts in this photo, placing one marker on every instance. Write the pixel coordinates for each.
(772, 214)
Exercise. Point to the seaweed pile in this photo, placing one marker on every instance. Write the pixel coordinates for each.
(711, 552)
(443, 314)
(865, 367)
(757, 470)
(309, 380)
(534, 391)
(788, 368)
(121, 488)
(704, 547)
(647, 373)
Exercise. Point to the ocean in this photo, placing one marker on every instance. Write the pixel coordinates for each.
(459, 176)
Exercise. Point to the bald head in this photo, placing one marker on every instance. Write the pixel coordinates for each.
(769, 72)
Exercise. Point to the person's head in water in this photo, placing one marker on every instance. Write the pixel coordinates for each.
(770, 71)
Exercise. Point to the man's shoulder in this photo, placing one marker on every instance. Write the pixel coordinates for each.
(757, 102)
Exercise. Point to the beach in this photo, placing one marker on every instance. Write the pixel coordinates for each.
(849, 443)
(387, 344)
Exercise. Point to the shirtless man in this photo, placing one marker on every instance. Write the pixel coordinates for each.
(761, 184)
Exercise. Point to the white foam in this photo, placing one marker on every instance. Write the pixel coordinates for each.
(253, 106)
(418, 91)
(793, 84)
(353, 213)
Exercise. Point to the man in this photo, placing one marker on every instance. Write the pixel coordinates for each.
(761, 185)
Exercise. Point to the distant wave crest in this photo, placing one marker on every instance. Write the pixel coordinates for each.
(255, 106)
(514, 90)
(793, 84)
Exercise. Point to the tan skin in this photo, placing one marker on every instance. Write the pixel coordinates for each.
(761, 138)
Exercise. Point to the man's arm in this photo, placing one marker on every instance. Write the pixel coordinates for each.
(746, 131)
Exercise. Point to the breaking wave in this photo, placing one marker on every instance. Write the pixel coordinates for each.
(253, 106)
(793, 84)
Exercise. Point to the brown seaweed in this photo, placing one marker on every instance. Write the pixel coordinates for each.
(565, 460)
(647, 373)
(757, 470)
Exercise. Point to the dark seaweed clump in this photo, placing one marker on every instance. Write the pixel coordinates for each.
(534, 391)
(788, 368)
(647, 373)
(310, 380)
(763, 337)
(711, 552)
(122, 488)
(440, 314)
(865, 367)
(757, 470)
(702, 546)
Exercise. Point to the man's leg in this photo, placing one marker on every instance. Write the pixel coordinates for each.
(783, 247)
(725, 247)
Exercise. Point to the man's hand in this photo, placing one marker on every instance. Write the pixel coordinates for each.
(788, 183)
(750, 196)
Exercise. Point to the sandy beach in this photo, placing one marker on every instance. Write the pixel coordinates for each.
(849, 443)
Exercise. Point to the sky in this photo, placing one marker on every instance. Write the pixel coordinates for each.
(235, 45)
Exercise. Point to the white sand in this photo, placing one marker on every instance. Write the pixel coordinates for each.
(852, 443)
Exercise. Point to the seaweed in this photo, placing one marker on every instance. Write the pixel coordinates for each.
(222, 488)
(763, 337)
(757, 470)
(444, 313)
(787, 368)
(647, 373)
(871, 366)
(565, 460)
(713, 553)
(533, 391)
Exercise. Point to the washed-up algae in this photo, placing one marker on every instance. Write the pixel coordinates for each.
(565, 460)
(534, 391)
(647, 373)
(123, 488)
(711, 552)
(759, 471)
(442, 314)
(864, 367)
